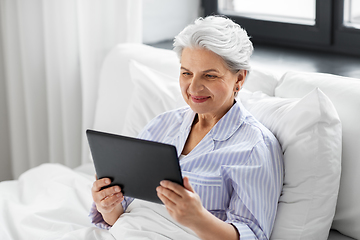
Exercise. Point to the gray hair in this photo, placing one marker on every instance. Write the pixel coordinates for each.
(220, 35)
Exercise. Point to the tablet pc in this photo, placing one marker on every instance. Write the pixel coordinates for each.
(136, 165)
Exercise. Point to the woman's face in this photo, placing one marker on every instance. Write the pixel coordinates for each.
(206, 83)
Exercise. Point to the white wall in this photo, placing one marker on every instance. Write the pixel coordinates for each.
(164, 19)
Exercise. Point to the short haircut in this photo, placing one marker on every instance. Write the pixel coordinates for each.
(220, 35)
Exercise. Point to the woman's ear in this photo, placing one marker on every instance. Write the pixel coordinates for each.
(242, 76)
(240, 79)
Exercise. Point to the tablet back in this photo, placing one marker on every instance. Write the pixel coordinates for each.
(136, 165)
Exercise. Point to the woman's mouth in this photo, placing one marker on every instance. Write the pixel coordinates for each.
(199, 99)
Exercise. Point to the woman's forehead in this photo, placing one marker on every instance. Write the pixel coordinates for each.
(201, 58)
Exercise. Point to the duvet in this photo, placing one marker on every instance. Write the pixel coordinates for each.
(53, 202)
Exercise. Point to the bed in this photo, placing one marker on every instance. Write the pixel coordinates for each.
(315, 117)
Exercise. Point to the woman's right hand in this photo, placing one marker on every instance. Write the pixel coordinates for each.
(108, 200)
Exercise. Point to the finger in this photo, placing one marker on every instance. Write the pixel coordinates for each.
(107, 192)
(174, 187)
(111, 201)
(98, 184)
(169, 194)
(187, 184)
(166, 201)
(110, 191)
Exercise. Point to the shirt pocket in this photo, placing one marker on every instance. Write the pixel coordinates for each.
(210, 188)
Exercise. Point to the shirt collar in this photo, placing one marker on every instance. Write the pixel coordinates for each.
(228, 124)
(188, 120)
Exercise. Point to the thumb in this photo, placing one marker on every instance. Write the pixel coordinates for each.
(187, 184)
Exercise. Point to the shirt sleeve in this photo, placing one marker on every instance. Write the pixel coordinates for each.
(256, 190)
(98, 220)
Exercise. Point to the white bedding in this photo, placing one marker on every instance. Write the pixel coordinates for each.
(46, 203)
(53, 202)
(151, 221)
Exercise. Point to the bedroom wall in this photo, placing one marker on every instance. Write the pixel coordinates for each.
(164, 19)
(5, 169)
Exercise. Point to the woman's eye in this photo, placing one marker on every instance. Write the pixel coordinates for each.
(186, 74)
(209, 76)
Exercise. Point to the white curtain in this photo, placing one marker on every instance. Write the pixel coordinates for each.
(52, 51)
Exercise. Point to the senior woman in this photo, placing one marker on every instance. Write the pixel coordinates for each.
(232, 164)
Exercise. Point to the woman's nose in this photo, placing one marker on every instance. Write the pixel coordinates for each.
(196, 84)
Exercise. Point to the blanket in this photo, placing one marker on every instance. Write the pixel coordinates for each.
(46, 202)
(53, 201)
(145, 220)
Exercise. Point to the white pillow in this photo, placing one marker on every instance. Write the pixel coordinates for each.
(309, 132)
(115, 86)
(263, 81)
(345, 95)
(154, 93)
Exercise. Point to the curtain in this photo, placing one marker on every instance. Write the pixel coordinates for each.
(51, 52)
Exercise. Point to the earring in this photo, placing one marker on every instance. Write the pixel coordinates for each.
(237, 88)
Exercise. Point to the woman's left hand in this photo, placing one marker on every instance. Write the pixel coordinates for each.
(182, 203)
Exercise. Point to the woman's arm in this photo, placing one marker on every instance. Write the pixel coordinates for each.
(185, 206)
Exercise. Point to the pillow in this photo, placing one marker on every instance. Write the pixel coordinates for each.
(261, 81)
(345, 95)
(309, 132)
(154, 93)
(115, 86)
